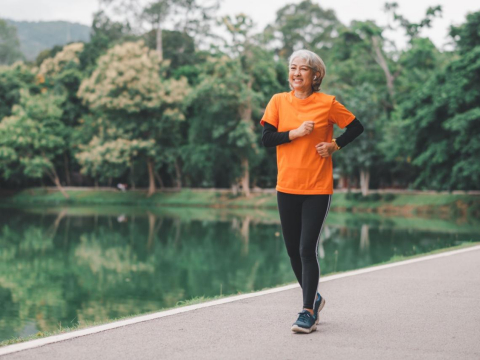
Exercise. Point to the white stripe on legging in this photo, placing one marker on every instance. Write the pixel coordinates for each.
(316, 249)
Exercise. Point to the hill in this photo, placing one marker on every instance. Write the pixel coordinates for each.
(36, 36)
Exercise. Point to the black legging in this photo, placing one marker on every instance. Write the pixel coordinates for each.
(302, 218)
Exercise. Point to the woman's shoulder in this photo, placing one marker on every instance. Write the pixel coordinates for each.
(282, 95)
(321, 96)
(280, 98)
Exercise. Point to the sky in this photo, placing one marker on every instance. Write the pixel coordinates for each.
(263, 12)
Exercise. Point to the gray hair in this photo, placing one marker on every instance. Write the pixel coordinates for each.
(314, 62)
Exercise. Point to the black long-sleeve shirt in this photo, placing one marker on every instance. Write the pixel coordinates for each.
(271, 137)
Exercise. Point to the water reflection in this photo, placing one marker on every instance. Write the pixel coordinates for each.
(71, 265)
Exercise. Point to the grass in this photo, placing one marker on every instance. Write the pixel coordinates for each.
(202, 299)
(86, 324)
(396, 203)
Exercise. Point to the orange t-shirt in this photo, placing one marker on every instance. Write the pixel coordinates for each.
(300, 169)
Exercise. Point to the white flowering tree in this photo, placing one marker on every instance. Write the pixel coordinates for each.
(53, 66)
(103, 159)
(128, 88)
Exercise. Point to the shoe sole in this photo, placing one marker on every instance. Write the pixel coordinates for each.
(298, 329)
(322, 304)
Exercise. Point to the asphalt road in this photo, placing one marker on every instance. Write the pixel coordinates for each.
(424, 310)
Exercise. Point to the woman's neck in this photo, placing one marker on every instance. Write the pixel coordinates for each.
(302, 94)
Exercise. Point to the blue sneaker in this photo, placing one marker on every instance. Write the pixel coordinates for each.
(319, 304)
(305, 323)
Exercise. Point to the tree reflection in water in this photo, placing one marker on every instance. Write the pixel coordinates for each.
(76, 264)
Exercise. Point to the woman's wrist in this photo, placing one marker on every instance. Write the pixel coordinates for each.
(337, 147)
(292, 134)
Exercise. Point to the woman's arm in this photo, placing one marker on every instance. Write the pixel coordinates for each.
(271, 137)
(354, 129)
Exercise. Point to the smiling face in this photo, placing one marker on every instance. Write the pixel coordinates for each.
(300, 75)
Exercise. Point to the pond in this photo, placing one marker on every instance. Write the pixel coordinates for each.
(65, 266)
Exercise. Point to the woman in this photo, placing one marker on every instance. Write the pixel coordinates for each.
(300, 123)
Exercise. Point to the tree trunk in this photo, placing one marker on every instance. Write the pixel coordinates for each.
(246, 116)
(159, 180)
(364, 181)
(151, 177)
(380, 59)
(54, 177)
(67, 170)
(159, 42)
(178, 174)
(132, 176)
(246, 178)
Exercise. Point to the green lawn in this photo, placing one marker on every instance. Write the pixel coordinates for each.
(349, 202)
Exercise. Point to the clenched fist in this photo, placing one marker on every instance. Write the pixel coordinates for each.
(325, 149)
(305, 129)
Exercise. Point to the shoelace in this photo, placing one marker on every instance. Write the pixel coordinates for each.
(304, 315)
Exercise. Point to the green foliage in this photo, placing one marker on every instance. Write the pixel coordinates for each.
(413, 29)
(467, 36)
(438, 128)
(104, 34)
(363, 152)
(129, 90)
(103, 160)
(303, 25)
(215, 122)
(12, 80)
(47, 53)
(194, 116)
(178, 47)
(419, 63)
(32, 137)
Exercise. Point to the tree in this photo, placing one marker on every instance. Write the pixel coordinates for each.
(303, 26)
(32, 137)
(216, 132)
(9, 44)
(105, 33)
(53, 66)
(438, 127)
(13, 78)
(128, 89)
(188, 16)
(231, 88)
(62, 75)
(156, 14)
(107, 159)
(413, 29)
(363, 154)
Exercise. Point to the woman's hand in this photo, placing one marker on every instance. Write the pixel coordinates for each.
(305, 129)
(325, 149)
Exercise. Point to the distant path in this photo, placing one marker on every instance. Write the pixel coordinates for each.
(417, 310)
